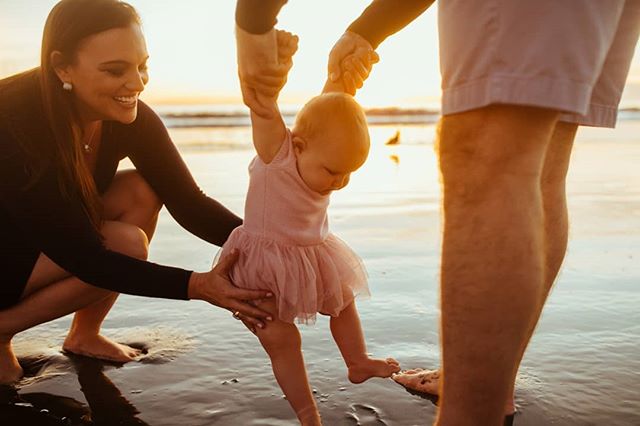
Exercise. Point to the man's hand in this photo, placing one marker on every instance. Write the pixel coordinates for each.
(350, 62)
(216, 288)
(261, 74)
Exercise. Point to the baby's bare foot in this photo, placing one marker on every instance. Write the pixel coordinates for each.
(98, 346)
(10, 370)
(428, 381)
(371, 367)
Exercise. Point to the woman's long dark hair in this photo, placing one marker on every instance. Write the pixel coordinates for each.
(68, 24)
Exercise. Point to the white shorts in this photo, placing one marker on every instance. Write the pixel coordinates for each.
(568, 55)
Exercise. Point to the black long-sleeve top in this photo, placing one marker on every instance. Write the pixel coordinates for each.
(378, 21)
(40, 219)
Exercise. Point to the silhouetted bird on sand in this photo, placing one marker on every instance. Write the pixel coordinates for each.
(395, 139)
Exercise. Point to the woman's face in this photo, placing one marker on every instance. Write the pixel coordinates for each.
(108, 73)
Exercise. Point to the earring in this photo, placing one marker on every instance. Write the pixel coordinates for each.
(67, 86)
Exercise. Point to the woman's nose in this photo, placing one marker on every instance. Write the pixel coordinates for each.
(138, 82)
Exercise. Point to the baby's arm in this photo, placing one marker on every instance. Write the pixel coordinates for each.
(268, 133)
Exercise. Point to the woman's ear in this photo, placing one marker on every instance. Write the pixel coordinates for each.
(299, 144)
(60, 66)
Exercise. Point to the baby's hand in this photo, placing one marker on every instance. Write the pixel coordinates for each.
(287, 46)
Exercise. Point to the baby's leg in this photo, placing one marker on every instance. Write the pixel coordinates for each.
(347, 333)
(282, 342)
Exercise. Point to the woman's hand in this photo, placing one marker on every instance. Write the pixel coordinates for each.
(350, 62)
(216, 288)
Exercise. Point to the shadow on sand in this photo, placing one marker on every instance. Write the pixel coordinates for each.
(105, 403)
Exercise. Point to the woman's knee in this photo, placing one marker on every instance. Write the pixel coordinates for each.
(126, 239)
(130, 190)
(143, 193)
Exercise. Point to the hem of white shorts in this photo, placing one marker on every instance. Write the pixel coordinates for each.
(560, 94)
(597, 116)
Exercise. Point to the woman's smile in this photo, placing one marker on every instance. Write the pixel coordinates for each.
(127, 101)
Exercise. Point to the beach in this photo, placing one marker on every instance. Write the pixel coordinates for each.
(202, 367)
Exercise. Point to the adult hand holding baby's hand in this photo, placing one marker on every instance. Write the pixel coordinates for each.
(261, 76)
(216, 288)
(350, 62)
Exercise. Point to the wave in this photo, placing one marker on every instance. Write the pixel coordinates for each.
(200, 116)
(197, 117)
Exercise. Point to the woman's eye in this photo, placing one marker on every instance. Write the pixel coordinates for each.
(115, 73)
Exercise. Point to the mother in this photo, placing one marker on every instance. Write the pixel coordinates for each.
(74, 232)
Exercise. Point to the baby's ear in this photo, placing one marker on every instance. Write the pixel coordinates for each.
(299, 144)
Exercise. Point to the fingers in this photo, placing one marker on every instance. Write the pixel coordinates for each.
(356, 69)
(287, 43)
(244, 294)
(359, 67)
(250, 325)
(374, 58)
(229, 260)
(251, 313)
(349, 83)
(250, 99)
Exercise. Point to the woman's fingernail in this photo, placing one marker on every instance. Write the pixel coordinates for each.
(269, 294)
(333, 76)
(260, 325)
(269, 319)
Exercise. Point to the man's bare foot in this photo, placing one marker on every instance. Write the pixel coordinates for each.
(371, 367)
(98, 346)
(10, 370)
(428, 381)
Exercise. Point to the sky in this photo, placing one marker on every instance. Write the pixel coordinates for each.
(192, 51)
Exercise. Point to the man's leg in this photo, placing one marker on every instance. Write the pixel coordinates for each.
(556, 216)
(493, 253)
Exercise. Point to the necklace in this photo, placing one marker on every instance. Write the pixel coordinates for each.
(87, 146)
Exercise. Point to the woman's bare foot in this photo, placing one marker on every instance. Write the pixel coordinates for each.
(427, 381)
(10, 370)
(98, 346)
(371, 367)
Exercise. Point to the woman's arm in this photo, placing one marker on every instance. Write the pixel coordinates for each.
(60, 228)
(157, 159)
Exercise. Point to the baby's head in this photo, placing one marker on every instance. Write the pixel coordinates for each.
(331, 140)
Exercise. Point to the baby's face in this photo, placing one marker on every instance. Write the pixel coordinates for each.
(326, 164)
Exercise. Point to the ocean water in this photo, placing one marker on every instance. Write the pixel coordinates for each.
(203, 368)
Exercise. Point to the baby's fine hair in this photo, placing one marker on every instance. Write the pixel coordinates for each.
(333, 109)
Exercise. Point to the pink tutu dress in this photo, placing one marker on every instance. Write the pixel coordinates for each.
(286, 247)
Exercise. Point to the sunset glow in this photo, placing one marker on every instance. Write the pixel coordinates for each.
(192, 49)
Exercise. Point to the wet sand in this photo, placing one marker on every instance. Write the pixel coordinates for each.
(202, 367)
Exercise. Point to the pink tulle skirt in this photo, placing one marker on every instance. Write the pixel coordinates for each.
(305, 280)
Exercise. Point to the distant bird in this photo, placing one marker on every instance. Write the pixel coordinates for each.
(395, 139)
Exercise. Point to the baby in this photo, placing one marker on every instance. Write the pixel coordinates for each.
(285, 243)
